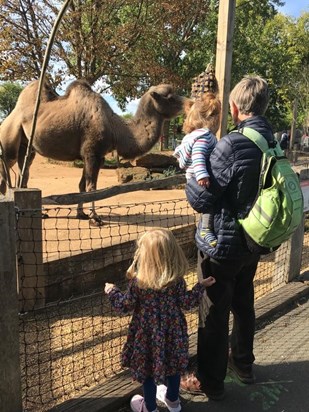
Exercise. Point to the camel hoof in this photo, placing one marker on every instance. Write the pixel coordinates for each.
(82, 216)
(96, 221)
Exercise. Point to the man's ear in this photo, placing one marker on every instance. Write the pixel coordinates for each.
(234, 111)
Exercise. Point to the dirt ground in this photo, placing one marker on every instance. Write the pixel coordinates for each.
(55, 178)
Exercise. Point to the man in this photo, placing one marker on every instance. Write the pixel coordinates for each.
(285, 142)
(234, 176)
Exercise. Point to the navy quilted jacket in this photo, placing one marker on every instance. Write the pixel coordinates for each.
(234, 168)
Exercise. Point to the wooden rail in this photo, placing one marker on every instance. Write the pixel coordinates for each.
(87, 197)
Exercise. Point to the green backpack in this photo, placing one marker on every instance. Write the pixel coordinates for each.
(278, 207)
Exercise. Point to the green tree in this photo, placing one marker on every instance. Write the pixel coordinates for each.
(9, 93)
(127, 44)
(281, 55)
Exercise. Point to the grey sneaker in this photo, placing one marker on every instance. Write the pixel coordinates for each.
(244, 375)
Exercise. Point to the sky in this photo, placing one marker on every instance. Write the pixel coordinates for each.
(293, 8)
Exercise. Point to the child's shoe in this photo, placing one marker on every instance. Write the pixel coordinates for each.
(137, 404)
(210, 238)
(161, 396)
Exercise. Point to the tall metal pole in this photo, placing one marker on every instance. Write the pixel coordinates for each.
(41, 81)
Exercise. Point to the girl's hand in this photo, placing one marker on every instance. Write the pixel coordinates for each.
(204, 182)
(108, 287)
(208, 281)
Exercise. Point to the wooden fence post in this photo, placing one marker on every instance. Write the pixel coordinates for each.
(31, 280)
(288, 257)
(10, 375)
(226, 19)
(295, 249)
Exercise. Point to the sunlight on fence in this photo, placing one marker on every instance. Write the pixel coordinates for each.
(70, 338)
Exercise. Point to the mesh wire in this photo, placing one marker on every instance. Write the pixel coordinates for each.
(70, 338)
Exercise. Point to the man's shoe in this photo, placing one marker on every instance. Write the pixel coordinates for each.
(245, 376)
(214, 394)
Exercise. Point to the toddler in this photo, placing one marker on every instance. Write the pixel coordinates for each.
(202, 121)
(156, 350)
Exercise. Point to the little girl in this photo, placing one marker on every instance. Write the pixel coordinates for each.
(156, 350)
(202, 121)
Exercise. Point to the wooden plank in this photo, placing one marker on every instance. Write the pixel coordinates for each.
(224, 57)
(31, 279)
(10, 375)
(107, 397)
(75, 198)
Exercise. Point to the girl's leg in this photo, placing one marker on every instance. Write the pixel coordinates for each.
(173, 384)
(170, 395)
(207, 229)
(150, 390)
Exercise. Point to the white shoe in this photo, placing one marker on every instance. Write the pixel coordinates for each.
(161, 396)
(137, 404)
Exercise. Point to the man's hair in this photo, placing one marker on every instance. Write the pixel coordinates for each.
(251, 95)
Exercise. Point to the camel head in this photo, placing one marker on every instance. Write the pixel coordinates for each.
(165, 101)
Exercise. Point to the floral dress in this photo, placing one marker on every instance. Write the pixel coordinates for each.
(157, 344)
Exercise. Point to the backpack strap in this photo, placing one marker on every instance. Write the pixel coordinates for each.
(256, 138)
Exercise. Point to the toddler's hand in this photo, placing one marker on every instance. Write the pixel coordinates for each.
(208, 281)
(108, 287)
(204, 182)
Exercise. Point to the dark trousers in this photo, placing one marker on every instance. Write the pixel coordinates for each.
(150, 390)
(232, 292)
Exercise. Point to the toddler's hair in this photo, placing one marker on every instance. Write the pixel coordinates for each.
(204, 112)
(251, 95)
(158, 261)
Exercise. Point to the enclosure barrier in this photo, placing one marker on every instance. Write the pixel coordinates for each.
(69, 339)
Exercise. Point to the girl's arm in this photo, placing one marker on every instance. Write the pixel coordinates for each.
(122, 302)
(199, 152)
(191, 298)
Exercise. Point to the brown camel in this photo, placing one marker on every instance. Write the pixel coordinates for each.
(81, 125)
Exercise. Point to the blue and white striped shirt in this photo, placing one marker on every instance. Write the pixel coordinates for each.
(193, 151)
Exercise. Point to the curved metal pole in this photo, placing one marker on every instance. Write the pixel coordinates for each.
(42, 76)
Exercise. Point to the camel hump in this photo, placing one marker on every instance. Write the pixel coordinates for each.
(81, 83)
(163, 89)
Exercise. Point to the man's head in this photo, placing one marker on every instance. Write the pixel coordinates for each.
(249, 98)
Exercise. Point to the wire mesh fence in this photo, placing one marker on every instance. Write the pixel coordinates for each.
(70, 338)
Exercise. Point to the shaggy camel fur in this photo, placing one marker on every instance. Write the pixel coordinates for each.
(81, 125)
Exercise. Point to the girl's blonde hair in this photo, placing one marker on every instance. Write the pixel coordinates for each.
(158, 261)
(204, 112)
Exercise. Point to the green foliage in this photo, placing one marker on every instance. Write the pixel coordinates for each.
(127, 116)
(9, 93)
(170, 171)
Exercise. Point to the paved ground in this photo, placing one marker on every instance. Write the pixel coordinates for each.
(282, 370)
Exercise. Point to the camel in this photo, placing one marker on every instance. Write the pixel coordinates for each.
(81, 125)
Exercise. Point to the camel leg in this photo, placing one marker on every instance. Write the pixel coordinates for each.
(4, 176)
(82, 188)
(21, 159)
(11, 134)
(88, 183)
